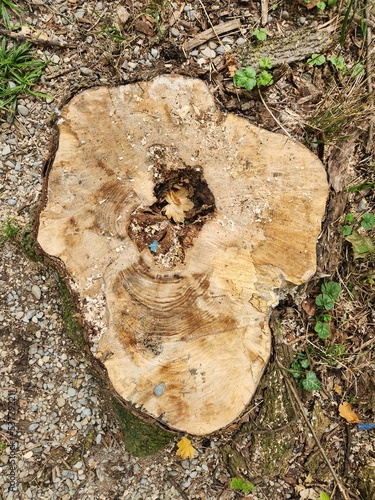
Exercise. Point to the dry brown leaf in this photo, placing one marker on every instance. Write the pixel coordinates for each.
(309, 306)
(231, 64)
(185, 450)
(338, 389)
(345, 410)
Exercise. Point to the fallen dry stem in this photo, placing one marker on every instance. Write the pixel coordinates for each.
(369, 69)
(317, 440)
(273, 116)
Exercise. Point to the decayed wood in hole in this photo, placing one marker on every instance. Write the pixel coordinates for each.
(179, 310)
(289, 47)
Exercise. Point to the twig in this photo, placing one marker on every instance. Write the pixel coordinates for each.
(369, 146)
(212, 26)
(264, 8)
(348, 449)
(273, 116)
(211, 33)
(37, 41)
(311, 428)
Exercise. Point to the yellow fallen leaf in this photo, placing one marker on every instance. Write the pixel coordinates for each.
(185, 450)
(309, 479)
(345, 410)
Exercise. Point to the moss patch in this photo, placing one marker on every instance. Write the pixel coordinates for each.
(69, 313)
(271, 449)
(141, 438)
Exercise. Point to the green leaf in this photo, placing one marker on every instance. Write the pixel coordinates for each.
(358, 69)
(237, 483)
(331, 3)
(332, 288)
(265, 63)
(245, 78)
(322, 329)
(346, 230)
(324, 302)
(349, 218)
(260, 34)
(316, 60)
(311, 382)
(264, 78)
(362, 245)
(338, 62)
(337, 350)
(321, 6)
(324, 496)
(326, 318)
(296, 369)
(305, 363)
(368, 221)
(361, 187)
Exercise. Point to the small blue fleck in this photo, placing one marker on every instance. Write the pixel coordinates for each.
(154, 246)
(366, 427)
(159, 389)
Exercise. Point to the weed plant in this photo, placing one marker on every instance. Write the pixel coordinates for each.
(5, 6)
(19, 72)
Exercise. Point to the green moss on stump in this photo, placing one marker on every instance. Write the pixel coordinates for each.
(69, 313)
(140, 438)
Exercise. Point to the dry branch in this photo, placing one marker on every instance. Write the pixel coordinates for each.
(35, 40)
(206, 35)
(290, 47)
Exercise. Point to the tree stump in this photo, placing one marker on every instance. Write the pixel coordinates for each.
(179, 228)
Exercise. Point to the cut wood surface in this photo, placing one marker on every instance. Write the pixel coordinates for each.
(179, 310)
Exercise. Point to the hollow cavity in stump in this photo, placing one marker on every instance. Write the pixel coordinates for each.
(179, 227)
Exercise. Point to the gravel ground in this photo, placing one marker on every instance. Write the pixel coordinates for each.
(67, 442)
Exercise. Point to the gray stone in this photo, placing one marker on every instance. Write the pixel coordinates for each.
(36, 291)
(85, 71)
(23, 110)
(207, 52)
(240, 41)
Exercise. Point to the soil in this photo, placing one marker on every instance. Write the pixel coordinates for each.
(291, 442)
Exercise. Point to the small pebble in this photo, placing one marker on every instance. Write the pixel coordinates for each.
(23, 110)
(302, 20)
(240, 41)
(36, 291)
(175, 32)
(12, 202)
(85, 71)
(362, 205)
(207, 52)
(6, 150)
(159, 390)
(285, 15)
